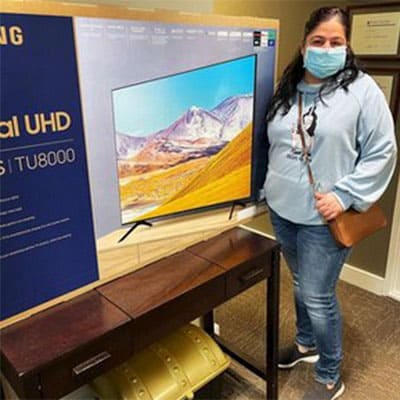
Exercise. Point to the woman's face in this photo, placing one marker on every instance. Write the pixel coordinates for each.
(327, 34)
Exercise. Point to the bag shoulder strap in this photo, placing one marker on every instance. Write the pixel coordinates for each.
(303, 141)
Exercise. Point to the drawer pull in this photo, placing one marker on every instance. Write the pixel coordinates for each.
(251, 275)
(92, 362)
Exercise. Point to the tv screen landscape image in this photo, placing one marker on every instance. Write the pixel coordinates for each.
(184, 142)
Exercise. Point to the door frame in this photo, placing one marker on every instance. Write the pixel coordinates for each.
(392, 276)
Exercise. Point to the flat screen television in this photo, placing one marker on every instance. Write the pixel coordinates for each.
(184, 141)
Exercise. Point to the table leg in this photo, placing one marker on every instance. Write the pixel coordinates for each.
(272, 327)
(208, 323)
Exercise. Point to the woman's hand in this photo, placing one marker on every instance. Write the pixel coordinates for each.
(328, 205)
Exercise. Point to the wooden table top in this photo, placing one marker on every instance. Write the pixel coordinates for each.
(142, 291)
(233, 247)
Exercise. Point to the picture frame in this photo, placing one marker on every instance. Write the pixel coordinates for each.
(375, 30)
(387, 76)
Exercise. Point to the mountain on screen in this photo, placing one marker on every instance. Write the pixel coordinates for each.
(197, 133)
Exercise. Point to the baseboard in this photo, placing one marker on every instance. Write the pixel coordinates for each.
(363, 279)
(350, 274)
(394, 294)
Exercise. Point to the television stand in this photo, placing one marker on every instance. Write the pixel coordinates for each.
(133, 227)
(234, 204)
(64, 347)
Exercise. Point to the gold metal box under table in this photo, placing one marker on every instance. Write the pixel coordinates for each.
(172, 368)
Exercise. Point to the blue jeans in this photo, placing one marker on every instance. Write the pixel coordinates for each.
(315, 261)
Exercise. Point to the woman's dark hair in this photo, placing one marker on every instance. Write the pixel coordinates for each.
(294, 72)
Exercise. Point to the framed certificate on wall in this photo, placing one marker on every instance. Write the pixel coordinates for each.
(388, 79)
(375, 30)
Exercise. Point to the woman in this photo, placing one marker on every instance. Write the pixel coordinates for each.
(349, 139)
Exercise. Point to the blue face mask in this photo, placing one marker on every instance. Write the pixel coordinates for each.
(323, 63)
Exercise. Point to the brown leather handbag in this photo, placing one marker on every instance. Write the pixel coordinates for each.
(351, 226)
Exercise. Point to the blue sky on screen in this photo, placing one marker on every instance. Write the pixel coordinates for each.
(148, 107)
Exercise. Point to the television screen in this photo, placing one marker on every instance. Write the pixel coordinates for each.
(184, 141)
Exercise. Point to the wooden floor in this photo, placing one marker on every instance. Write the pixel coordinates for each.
(371, 366)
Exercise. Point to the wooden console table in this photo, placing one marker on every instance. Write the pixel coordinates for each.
(54, 352)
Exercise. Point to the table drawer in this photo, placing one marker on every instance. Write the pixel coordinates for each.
(247, 274)
(86, 363)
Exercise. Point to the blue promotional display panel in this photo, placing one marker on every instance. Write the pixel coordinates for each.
(47, 240)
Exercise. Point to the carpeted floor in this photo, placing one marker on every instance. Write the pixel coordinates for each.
(371, 366)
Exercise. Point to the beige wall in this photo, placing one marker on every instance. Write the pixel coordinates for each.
(371, 255)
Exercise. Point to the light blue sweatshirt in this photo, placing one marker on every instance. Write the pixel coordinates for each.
(352, 147)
